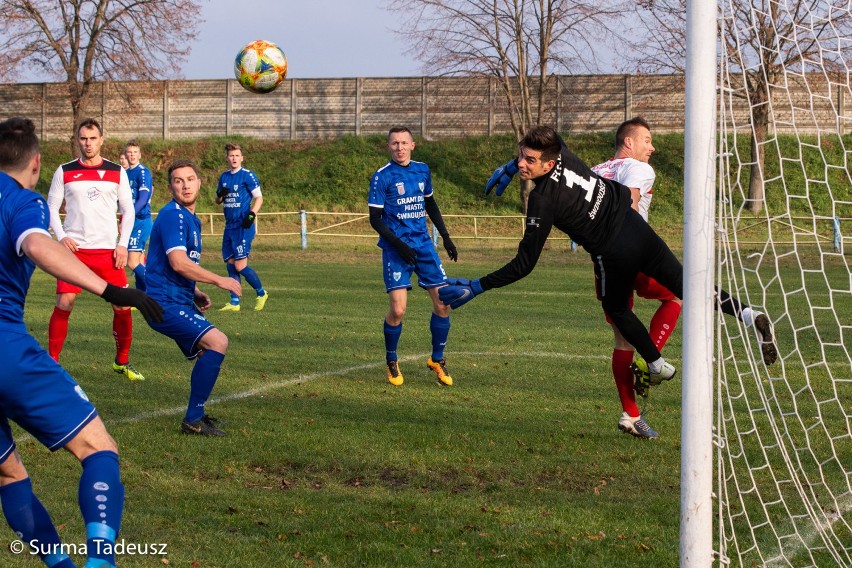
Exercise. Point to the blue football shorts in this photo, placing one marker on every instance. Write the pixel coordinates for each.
(397, 272)
(236, 243)
(38, 395)
(139, 236)
(186, 325)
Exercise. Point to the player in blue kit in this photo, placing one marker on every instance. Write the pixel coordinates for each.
(173, 271)
(400, 198)
(142, 188)
(35, 392)
(239, 192)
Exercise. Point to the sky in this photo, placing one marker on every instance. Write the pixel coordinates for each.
(321, 38)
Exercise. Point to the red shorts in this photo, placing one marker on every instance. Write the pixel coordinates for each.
(645, 287)
(102, 263)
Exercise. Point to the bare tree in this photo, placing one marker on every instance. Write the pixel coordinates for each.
(522, 43)
(761, 39)
(81, 42)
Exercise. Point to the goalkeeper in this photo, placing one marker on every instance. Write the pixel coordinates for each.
(239, 193)
(596, 213)
(400, 198)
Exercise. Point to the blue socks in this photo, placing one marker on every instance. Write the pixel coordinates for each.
(233, 273)
(139, 276)
(440, 328)
(392, 334)
(201, 382)
(101, 497)
(253, 279)
(31, 522)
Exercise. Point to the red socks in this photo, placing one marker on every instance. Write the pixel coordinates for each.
(122, 330)
(664, 322)
(57, 331)
(623, 374)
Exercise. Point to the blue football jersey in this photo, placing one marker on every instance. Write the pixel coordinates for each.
(237, 202)
(175, 228)
(22, 212)
(140, 181)
(401, 191)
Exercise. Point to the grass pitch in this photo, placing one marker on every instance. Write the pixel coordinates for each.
(326, 464)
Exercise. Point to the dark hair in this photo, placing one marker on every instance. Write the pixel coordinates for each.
(177, 164)
(628, 128)
(90, 123)
(542, 139)
(18, 143)
(130, 143)
(397, 129)
(231, 147)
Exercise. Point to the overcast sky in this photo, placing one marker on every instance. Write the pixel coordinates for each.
(321, 38)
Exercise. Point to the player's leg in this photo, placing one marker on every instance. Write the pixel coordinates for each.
(664, 320)
(439, 326)
(101, 493)
(136, 251)
(397, 277)
(23, 510)
(57, 329)
(241, 264)
(205, 373)
(102, 264)
(229, 251)
(46, 402)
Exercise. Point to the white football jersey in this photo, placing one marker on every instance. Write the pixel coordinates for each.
(92, 195)
(633, 174)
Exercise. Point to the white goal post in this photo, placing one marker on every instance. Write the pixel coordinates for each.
(766, 461)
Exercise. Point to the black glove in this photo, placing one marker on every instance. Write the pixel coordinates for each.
(249, 219)
(131, 297)
(407, 253)
(451, 249)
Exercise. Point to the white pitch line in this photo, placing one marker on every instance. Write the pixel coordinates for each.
(256, 391)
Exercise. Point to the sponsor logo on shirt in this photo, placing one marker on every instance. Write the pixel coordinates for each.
(93, 193)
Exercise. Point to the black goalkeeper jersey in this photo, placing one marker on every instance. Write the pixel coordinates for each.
(575, 200)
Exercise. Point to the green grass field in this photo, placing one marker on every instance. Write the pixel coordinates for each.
(326, 464)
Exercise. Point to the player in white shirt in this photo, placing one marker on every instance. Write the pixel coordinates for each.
(629, 167)
(93, 190)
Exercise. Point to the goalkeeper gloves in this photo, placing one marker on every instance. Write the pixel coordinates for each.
(249, 219)
(222, 191)
(459, 291)
(131, 297)
(501, 177)
(451, 249)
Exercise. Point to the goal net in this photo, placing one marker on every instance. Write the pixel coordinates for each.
(783, 432)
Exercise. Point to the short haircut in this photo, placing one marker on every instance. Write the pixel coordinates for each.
(131, 144)
(397, 129)
(542, 139)
(628, 128)
(231, 147)
(18, 143)
(177, 164)
(90, 123)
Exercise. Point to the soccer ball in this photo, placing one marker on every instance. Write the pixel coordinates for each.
(260, 66)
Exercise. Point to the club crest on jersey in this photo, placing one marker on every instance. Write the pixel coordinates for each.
(400, 188)
(422, 186)
(397, 276)
(93, 193)
(101, 173)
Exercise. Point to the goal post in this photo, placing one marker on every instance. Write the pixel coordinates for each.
(696, 473)
(766, 451)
